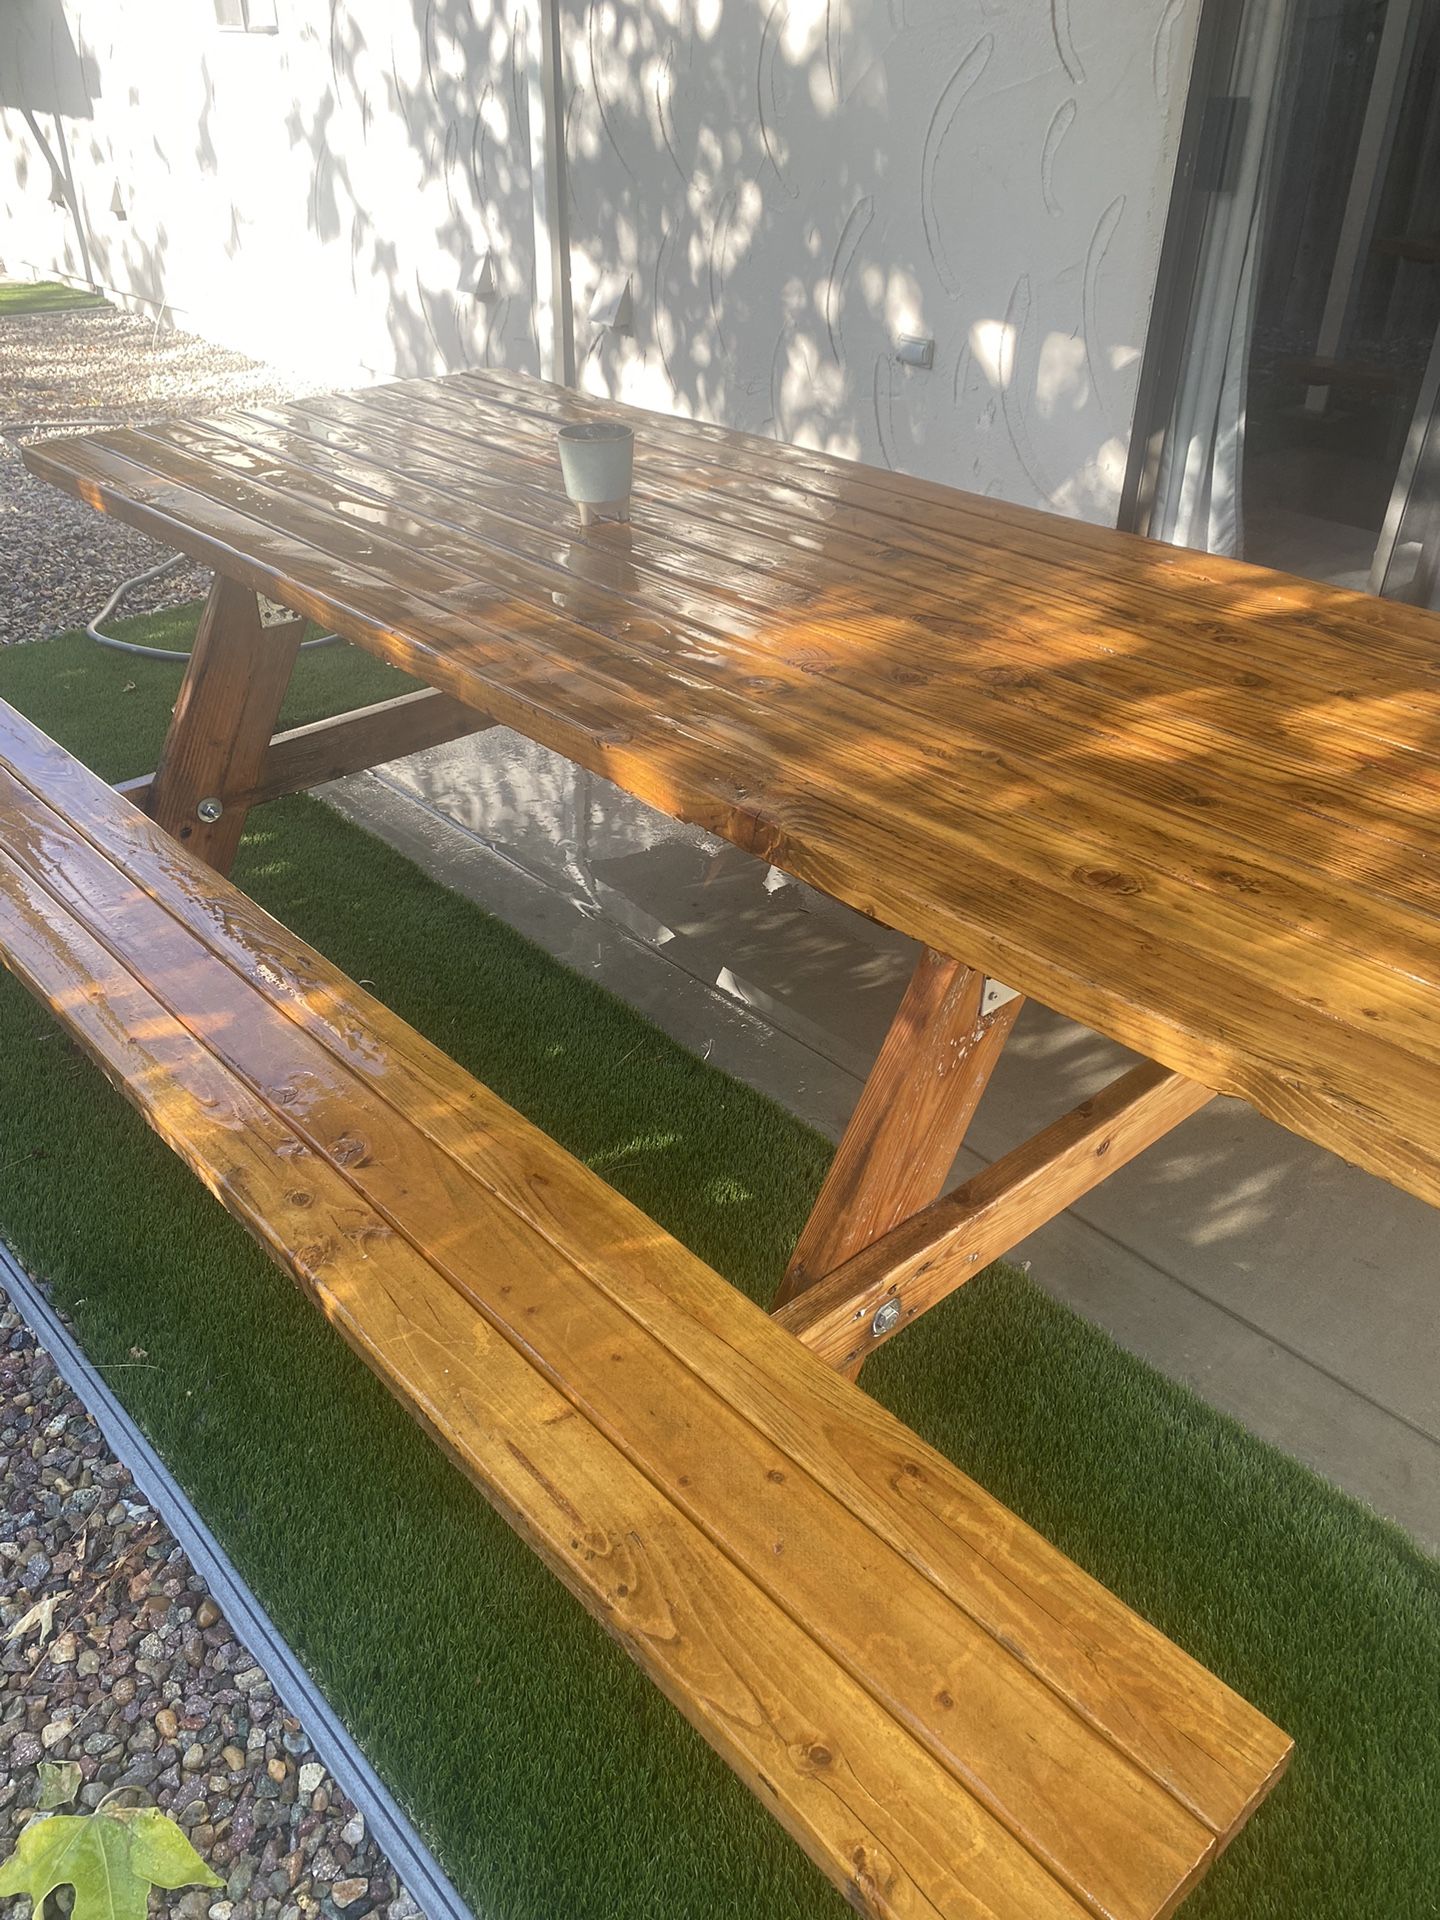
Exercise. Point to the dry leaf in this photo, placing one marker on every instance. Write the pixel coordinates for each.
(42, 1614)
(60, 1781)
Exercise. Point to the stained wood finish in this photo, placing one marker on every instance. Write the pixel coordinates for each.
(1186, 801)
(910, 1120)
(220, 731)
(952, 1719)
(305, 757)
(938, 1249)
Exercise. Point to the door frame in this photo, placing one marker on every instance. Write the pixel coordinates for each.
(1200, 158)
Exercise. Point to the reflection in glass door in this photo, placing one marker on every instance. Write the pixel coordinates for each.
(1296, 412)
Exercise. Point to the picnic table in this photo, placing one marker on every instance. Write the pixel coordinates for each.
(1180, 799)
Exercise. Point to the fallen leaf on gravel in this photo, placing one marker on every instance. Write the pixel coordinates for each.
(111, 1858)
(59, 1783)
(42, 1614)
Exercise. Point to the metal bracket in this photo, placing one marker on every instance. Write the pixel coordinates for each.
(995, 995)
(272, 614)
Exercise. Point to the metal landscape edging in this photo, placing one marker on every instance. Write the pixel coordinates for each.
(421, 1874)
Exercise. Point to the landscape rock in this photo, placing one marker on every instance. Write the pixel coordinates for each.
(140, 1681)
(62, 559)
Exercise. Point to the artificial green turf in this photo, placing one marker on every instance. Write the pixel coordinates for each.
(551, 1778)
(44, 296)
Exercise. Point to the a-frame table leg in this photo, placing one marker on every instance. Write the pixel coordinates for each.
(910, 1120)
(220, 732)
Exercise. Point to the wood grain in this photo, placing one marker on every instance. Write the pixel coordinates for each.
(869, 1805)
(1325, 822)
(910, 1120)
(1187, 802)
(1096, 1820)
(400, 1104)
(305, 757)
(937, 1249)
(235, 681)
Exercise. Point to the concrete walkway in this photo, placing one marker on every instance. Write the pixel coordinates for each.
(1290, 1289)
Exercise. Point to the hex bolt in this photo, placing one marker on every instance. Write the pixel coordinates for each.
(886, 1320)
(210, 810)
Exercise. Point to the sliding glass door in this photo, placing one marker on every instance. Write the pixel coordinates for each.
(1293, 390)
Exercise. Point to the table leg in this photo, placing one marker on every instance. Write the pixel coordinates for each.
(871, 1297)
(220, 732)
(910, 1120)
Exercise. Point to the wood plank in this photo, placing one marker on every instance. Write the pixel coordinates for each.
(1282, 626)
(764, 739)
(1102, 1825)
(866, 520)
(890, 1827)
(946, 578)
(1164, 999)
(1318, 906)
(1313, 916)
(950, 612)
(1303, 794)
(70, 868)
(305, 757)
(910, 1120)
(1161, 889)
(233, 687)
(1333, 828)
(924, 1259)
(1242, 597)
(1213, 1751)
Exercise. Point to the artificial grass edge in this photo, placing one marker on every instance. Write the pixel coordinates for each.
(1305, 1602)
(20, 297)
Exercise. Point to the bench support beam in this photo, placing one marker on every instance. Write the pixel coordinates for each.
(910, 1120)
(926, 1257)
(305, 757)
(221, 728)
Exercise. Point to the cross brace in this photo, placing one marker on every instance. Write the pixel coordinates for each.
(880, 1248)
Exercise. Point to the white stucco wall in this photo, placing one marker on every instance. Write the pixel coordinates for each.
(789, 184)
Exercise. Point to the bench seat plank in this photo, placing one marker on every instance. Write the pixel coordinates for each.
(1094, 1818)
(1047, 1732)
(1207, 1745)
(739, 1670)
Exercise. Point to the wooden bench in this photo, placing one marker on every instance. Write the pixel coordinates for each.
(946, 1714)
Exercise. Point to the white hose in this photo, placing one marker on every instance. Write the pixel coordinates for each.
(133, 647)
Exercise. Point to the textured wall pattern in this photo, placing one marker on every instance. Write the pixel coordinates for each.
(789, 185)
(793, 184)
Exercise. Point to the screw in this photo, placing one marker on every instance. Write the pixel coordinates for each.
(210, 810)
(886, 1319)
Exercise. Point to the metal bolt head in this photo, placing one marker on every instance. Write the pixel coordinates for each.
(886, 1320)
(210, 810)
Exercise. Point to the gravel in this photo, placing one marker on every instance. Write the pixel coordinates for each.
(66, 373)
(139, 1681)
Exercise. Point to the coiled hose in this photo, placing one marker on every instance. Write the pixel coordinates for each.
(127, 587)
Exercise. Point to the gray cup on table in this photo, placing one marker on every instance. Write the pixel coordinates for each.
(598, 462)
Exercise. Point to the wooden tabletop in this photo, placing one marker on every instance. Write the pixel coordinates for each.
(1187, 801)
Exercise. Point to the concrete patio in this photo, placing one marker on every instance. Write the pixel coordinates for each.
(1289, 1289)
